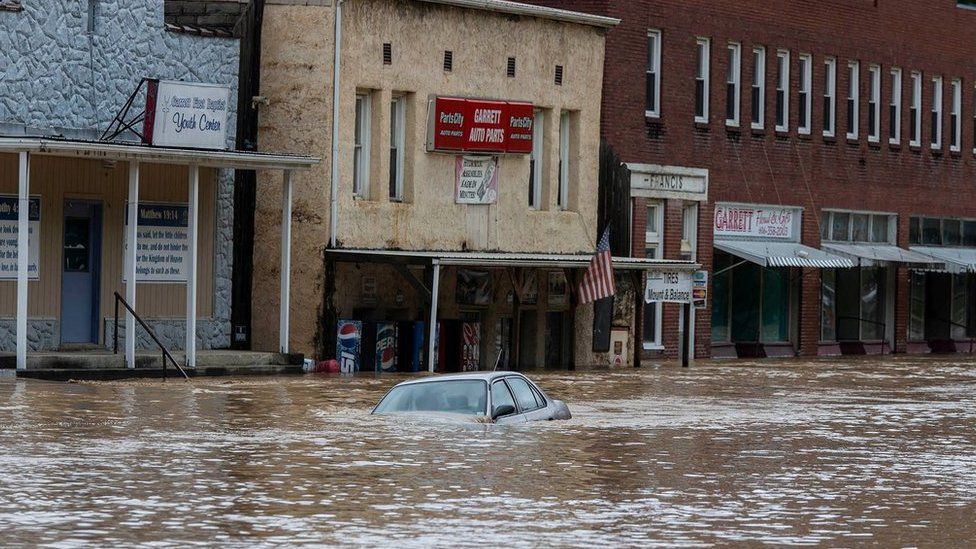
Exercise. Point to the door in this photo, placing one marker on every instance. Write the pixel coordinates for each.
(80, 271)
(938, 299)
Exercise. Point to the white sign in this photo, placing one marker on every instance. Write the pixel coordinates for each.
(164, 250)
(477, 180)
(756, 221)
(654, 181)
(9, 212)
(668, 287)
(190, 115)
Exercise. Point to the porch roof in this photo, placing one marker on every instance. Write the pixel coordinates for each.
(957, 260)
(782, 254)
(883, 255)
(501, 259)
(110, 150)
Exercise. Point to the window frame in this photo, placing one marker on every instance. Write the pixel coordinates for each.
(915, 104)
(398, 118)
(830, 94)
(782, 87)
(894, 106)
(536, 160)
(937, 130)
(955, 115)
(758, 85)
(735, 85)
(805, 94)
(827, 217)
(562, 189)
(361, 149)
(655, 237)
(703, 66)
(874, 103)
(653, 72)
(853, 100)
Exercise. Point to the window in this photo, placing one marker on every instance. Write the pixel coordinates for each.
(874, 103)
(535, 161)
(955, 111)
(830, 96)
(732, 80)
(915, 112)
(841, 226)
(562, 199)
(758, 100)
(941, 232)
(653, 108)
(524, 394)
(894, 108)
(689, 231)
(783, 91)
(701, 80)
(806, 76)
(853, 88)
(653, 249)
(397, 136)
(360, 161)
(936, 113)
(501, 396)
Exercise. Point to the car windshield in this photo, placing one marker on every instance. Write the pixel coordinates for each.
(459, 397)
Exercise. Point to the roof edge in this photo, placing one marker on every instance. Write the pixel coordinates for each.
(542, 12)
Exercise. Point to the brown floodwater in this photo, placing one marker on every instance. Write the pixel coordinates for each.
(837, 453)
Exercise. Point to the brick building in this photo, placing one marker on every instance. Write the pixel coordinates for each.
(817, 158)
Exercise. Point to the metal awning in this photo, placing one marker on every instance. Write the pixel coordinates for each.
(883, 255)
(957, 260)
(499, 259)
(782, 254)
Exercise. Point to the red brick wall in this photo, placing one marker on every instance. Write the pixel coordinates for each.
(790, 169)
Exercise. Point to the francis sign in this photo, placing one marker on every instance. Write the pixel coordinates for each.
(668, 287)
(185, 114)
(164, 251)
(479, 125)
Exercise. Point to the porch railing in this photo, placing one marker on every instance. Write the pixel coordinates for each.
(166, 353)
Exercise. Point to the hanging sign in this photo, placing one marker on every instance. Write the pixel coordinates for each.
(163, 251)
(476, 180)
(699, 289)
(186, 114)
(668, 287)
(479, 125)
(756, 221)
(9, 212)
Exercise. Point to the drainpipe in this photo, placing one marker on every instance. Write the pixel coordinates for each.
(336, 73)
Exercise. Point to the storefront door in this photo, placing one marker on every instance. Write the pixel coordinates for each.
(938, 306)
(80, 276)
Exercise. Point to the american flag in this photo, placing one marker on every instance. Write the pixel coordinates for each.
(598, 280)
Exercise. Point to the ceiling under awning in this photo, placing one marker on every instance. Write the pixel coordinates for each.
(957, 260)
(782, 254)
(883, 255)
(500, 259)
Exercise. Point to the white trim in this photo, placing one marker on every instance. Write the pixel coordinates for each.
(804, 127)
(703, 71)
(830, 92)
(538, 152)
(23, 255)
(432, 326)
(853, 95)
(192, 225)
(562, 190)
(955, 112)
(874, 102)
(654, 72)
(131, 255)
(734, 79)
(398, 115)
(916, 104)
(895, 101)
(758, 83)
(284, 300)
(655, 237)
(361, 164)
(528, 260)
(516, 8)
(783, 86)
(937, 104)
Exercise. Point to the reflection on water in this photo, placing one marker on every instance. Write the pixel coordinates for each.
(805, 453)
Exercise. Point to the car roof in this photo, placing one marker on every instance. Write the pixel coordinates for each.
(480, 376)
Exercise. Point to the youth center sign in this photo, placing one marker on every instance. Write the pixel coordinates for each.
(163, 250)
(479, 126)
(186, 114)
(756, 221)
(9, 213)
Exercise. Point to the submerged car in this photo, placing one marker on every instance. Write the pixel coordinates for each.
(499, 397)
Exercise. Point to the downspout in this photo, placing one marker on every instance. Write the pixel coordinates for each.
(336, 73)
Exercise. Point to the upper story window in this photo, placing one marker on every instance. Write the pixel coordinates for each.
(853, 96)
(536, 161)
(894, 108)
(653, 92)
(398, 116)
(783, 91)
(702, 66)
(874, 103)
(844, 226)
(732, 85)
(758, 99)
(955, 111)
(931, 231)
(805, 100)
(936, 112)
(565, 126)
(360, 161)
(830, 97)
(915, 111)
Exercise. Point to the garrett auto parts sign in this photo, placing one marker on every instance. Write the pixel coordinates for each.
(479, 125)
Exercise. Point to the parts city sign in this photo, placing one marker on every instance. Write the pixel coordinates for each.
(479, 126)
(756, 221)
(186, 114)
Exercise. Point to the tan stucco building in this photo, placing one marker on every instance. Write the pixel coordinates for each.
(506, 267)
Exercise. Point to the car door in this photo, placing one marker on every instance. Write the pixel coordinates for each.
(501, 395)
(531, 405)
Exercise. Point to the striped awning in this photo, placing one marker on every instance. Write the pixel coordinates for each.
(883, 255)
(957, 260)
(782, 254)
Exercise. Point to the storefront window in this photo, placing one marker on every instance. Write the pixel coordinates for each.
(828, 305)
(746, 289)
(720, 298)
(960, 303)
(652, 250)
(872, 304)
(775, 305)
(853, 305)
(916, 308)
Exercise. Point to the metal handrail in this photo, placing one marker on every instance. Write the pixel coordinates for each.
(166, 354)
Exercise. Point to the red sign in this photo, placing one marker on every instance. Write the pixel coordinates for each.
(477, 125)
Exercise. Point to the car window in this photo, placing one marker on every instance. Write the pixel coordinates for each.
(500, 395)
(538, 396)
(459, 397)
(523, 394)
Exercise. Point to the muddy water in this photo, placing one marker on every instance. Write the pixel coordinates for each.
(820, 453)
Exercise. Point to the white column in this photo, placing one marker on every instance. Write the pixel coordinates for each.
(132, 214)
(432, 329)
(192, 229)
(285, 300)
(23, 258)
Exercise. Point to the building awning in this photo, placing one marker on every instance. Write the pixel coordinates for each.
(957, 260)
(883, 255)
(499, 259)
(782, 254)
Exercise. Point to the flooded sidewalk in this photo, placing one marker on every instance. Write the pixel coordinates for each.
(838, 453)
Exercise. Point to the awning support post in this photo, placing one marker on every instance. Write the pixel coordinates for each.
(285, 299)
(685, 332)
(132, 230)
(432, 328)
(23, 257)
(192, 226)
